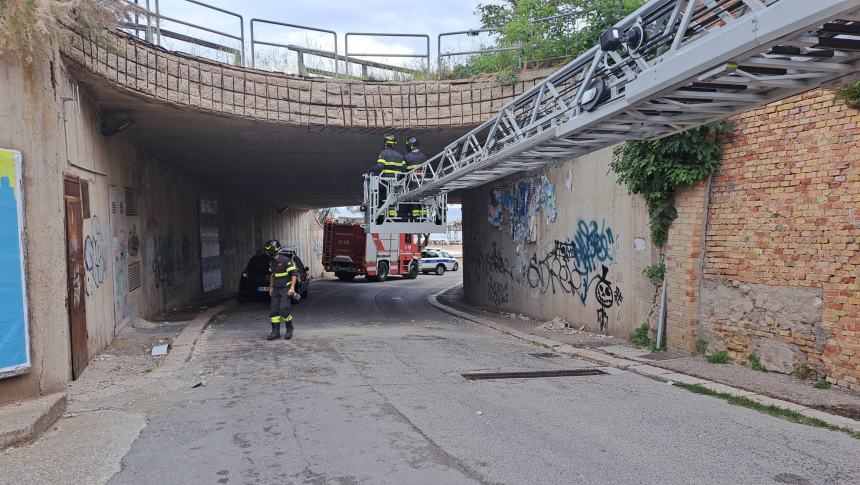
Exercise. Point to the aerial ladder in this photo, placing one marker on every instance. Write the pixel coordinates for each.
(670, 66)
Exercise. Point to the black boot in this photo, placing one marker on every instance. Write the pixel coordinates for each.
(276, 332)
(288, 332)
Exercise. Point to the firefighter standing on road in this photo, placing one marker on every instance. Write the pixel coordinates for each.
(389, 165)
(282, 285)
(415, 158)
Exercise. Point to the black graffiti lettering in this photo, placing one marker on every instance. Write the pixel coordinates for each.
(497, 292)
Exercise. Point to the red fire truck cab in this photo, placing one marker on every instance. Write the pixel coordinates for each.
(350, 251)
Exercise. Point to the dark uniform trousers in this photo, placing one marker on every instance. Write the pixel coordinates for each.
(283, 270)
(279, 309)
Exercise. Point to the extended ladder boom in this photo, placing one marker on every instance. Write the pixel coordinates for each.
(670, 66)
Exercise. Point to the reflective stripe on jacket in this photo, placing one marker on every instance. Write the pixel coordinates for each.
(391, 161)
(282, 269)
(414, 159)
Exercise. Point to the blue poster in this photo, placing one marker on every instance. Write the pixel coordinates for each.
(14, 337)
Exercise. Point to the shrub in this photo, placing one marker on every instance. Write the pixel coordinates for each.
(656, 273)
(656, 169)
(639, 337)
(755, 363)
(721, 357)
(26, 26)
(851, 94)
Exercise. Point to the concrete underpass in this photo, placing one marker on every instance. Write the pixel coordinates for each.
(180, 169)
(148, 178)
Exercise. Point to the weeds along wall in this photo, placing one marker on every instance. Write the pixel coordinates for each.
(153, 238)
(567, 242)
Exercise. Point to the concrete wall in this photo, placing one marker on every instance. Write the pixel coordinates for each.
(57, 130)
(568, 242)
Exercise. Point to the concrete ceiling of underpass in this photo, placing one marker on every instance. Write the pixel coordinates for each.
(284, 165)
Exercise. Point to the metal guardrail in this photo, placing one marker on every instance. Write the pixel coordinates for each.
(299, 50)
(155, 18)
(372, 54)
(148, 22)
(440, 55)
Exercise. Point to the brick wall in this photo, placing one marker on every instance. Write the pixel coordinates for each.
(782, 252)
(683, 261)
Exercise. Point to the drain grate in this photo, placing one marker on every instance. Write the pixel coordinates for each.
(588, 371)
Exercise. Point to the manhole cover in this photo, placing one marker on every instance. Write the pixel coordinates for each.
(588, 371)
(544, 355)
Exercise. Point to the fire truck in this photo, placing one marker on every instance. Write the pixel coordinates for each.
(390, 240)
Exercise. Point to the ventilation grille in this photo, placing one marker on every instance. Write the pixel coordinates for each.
(133, 276)
(131, 205)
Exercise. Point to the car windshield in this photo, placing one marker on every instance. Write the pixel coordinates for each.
(428, 254)
(447, 255)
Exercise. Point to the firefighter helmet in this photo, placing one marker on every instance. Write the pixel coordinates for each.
(389, 139)
(272, 247)
(412, 143)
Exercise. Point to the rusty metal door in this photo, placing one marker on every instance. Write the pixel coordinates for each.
(76, 277)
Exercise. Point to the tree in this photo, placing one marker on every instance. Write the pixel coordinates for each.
(520, 23)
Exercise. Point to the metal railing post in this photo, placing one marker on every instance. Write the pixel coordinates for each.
(426, 55)
(148, 23)
(253, 59)
(157, 22)
(242, 37)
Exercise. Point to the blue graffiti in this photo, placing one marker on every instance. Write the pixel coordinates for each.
(571, 265)
(514, 208)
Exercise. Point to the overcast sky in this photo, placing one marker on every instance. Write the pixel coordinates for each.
(342, 16)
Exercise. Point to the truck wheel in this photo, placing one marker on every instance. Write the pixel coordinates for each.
(413, 271)
(382, 271)
(345, 276)
(440, 269)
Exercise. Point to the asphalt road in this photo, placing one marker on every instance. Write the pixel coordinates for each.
(370, 391)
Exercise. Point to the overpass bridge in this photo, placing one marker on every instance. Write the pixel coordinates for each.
(237, 127)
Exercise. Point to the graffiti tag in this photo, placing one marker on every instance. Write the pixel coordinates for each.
(94, 256)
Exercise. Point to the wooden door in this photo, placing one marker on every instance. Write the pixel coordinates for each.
(76, 278)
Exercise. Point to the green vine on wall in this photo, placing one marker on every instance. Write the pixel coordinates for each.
(656, 169)
(851, 94)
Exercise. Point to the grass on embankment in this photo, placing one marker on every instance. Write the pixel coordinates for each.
(770, 409)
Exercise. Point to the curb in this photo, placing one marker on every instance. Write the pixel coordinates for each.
(650, 371)
(30, 419)
(183, 345)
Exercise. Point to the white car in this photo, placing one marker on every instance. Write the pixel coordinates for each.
(437, 261)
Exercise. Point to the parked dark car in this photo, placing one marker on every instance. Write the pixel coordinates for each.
(254, 282)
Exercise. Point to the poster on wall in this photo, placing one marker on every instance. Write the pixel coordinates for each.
(210, 250)
(14, 335)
